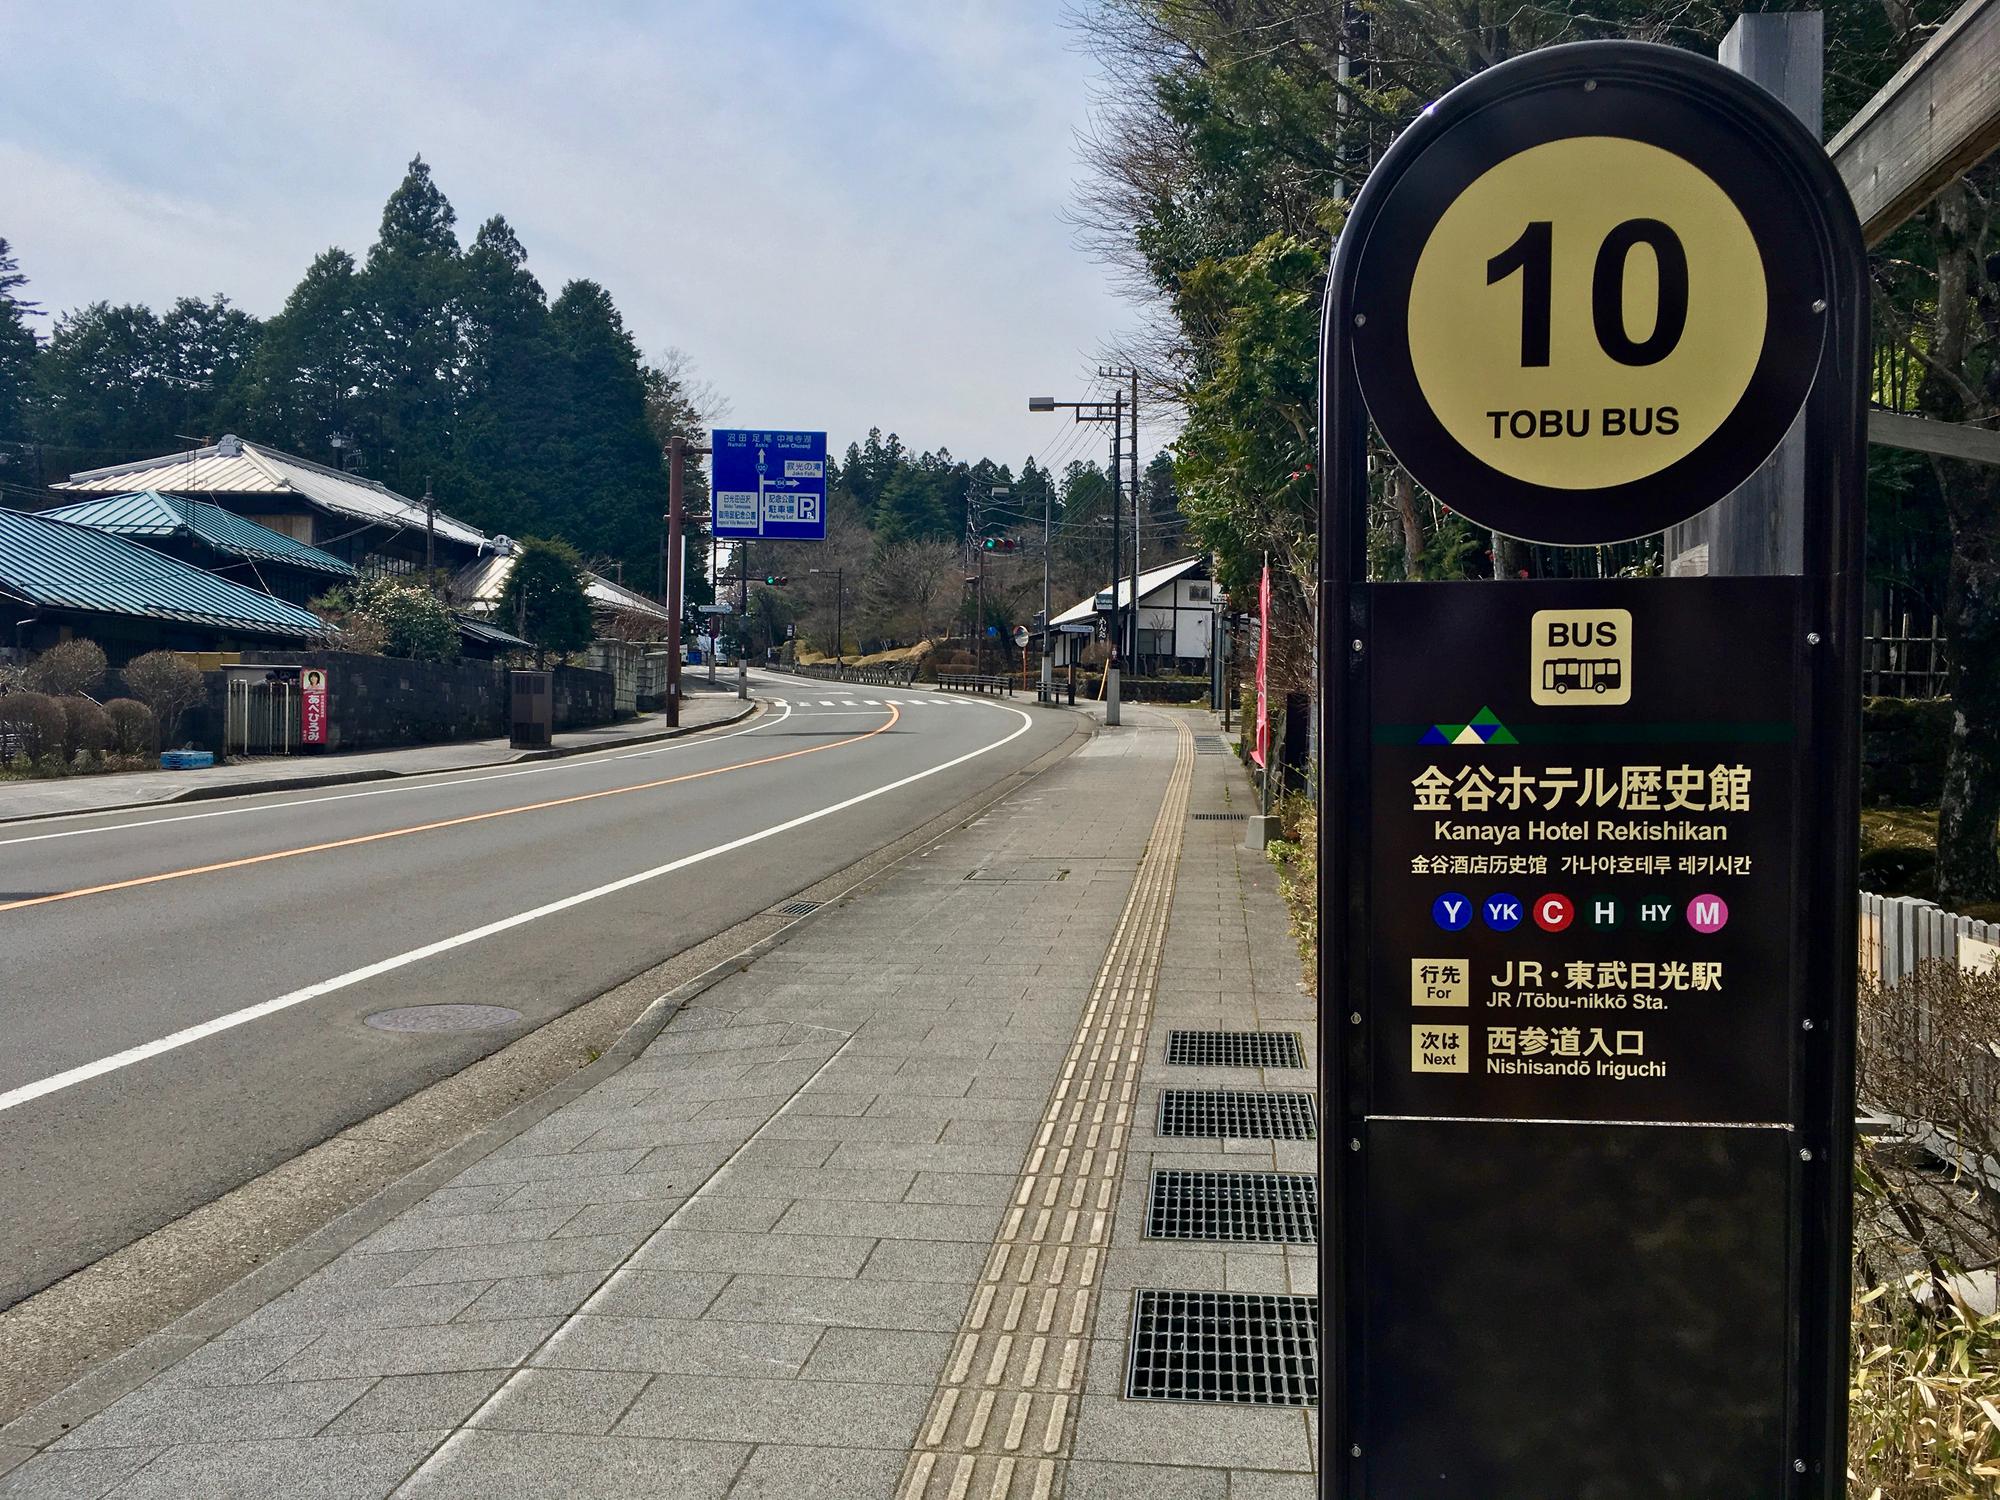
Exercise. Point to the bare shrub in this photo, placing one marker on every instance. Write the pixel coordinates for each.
(167, 684)
(67, 668)
(1929, 1058)
(86, 729)
(133, 728)
(32, 726)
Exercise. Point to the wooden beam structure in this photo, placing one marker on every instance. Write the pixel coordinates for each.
(1938, 116)
(1979, 445)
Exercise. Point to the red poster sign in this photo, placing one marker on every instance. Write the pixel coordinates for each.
(312, 706)
(1262, 750)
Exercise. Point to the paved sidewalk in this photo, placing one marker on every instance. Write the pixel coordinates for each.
(124, 789)
(865, 1220)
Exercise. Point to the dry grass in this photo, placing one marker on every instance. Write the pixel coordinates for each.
(1924, 1398)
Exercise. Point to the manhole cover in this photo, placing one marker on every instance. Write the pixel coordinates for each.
(1227, 1114)
(799, 908)
(1269, 1208)
(1224, 1346)
(1210, 744)
(1234, 1049)
(443, 1018)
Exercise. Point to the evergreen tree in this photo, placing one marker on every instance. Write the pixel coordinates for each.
(99, 388)
(544, 601)
(410, 339)
(205, 349)
(304, 382)
(611, 492)
(509, 438)
(17, 353)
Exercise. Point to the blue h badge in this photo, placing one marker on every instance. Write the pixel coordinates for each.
(1451, 911)
(1502, 912)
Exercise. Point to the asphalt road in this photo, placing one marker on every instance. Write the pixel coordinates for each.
(182, 991)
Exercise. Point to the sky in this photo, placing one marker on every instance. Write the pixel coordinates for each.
(848, 213)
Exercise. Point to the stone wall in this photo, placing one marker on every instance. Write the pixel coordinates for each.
(380, 702)
(584, 698)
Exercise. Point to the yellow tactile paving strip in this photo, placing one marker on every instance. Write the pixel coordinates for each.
(1000, 1424)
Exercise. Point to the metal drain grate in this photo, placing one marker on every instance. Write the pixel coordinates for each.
(1220, 817)
(1266, 1208)
(1229, 1114)
(1210, 744)
(799, 908)
(1232, 1347)
(1234, 1049)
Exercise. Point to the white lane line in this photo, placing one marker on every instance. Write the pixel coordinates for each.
(420, 783)
(872, 702)
(826, 703)
(69, 1078)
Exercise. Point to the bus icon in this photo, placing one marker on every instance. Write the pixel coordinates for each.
(1579, 674)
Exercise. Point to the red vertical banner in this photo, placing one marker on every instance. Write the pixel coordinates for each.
(1261, 751)
(312, 706)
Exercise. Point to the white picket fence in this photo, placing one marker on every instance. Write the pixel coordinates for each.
(1900, 932)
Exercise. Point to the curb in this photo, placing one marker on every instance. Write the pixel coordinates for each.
(347, 778)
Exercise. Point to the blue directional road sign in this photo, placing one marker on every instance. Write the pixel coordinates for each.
(768, 484)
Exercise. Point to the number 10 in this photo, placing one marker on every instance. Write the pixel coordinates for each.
(1532, 255)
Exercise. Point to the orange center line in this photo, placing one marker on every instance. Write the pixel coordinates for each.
(396, 833)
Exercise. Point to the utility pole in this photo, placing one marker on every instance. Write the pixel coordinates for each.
(1117, 554)
(1112, 411)
(977, 514)
(1131, 373)
(678, 448)
(1047, 692)
(430, 529)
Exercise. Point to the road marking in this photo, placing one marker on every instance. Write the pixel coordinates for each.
(422, 782)
(117, 1061)
(432, 827)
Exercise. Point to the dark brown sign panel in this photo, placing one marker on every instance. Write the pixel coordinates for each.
(1587, 873)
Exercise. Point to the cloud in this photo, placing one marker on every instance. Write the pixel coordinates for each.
(847, 211)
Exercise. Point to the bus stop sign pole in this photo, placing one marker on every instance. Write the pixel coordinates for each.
(1587, 878)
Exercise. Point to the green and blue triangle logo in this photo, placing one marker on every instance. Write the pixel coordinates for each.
(1484, 728)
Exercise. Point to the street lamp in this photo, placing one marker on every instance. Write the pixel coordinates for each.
(839, 635)
(1112, 411)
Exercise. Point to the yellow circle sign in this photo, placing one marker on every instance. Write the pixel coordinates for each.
(1587, 312)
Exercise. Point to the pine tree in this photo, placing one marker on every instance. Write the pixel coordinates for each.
(611, 492)
(410, 339)
(303, 384)
(205, 349)
(512, 418)
(99, 388)
(17, 352)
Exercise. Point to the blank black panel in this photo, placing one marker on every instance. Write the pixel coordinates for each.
(1563, 1312)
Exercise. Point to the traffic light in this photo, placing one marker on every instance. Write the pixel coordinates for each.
(776, 580)
(999, 544)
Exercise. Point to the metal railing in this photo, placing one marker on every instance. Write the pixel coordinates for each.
(970, 682)
(898, 677)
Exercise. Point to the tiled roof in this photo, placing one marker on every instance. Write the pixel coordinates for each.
(61, 565)
(151, 514)
(491, 635)
(235, 466)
